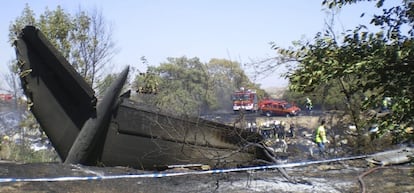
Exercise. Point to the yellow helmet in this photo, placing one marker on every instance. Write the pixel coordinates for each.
(6, 138)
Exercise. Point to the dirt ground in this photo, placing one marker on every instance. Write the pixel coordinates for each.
(331, 177)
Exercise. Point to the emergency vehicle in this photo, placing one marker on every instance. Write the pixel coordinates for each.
(271, 107)
(245, 100)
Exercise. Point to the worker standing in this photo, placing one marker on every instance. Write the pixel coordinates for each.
(385, 104)
(291, 131)
(320, 137)
(309, 105)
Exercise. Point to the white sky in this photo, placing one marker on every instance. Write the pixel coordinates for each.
(239, 30)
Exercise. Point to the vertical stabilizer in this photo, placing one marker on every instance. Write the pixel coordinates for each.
(58, 96)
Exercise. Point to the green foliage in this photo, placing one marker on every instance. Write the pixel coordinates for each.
(147, 83)
(339, 3)
(83, 39)
(367, 66)
(27, 18)
(183, 86)
(188, 86)
(325, 97)
(225, 77)
(56, 26)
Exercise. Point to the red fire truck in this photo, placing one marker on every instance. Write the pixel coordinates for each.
(245, 100)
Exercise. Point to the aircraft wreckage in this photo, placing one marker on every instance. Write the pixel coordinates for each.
(114, 130)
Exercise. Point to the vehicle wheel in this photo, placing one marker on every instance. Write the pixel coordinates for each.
(268, 114)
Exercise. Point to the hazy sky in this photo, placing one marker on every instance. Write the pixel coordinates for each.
(238, 30)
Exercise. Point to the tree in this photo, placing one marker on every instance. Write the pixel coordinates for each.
(368, 66)
(188, 86)
(27, 18)
(183, 85)
(93, 46)
(85, 39)
(226, 76)
(56, 26)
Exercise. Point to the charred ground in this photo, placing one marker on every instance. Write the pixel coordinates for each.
(344, 176)
(333, 177)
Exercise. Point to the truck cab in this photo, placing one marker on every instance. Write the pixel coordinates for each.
(245, 100)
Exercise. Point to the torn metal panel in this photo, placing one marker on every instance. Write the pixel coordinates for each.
(157, 139)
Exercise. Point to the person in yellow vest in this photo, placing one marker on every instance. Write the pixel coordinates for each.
(385, 104)
(320, 137)
(309, 105)
(5, 151)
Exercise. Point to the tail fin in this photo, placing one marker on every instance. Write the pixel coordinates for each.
(60, 98)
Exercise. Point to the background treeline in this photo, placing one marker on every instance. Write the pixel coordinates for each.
(352, 71)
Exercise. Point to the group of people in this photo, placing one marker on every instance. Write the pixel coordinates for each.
(275, 129)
